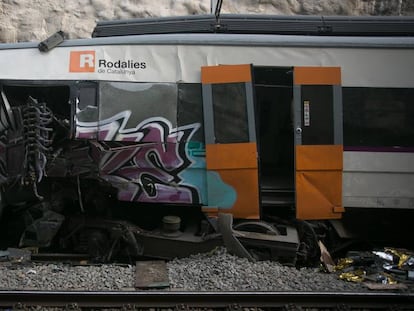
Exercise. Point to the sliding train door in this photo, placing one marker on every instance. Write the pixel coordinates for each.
(230, 137)
(318, 142)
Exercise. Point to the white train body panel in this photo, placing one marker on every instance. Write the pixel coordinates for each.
(371, 179)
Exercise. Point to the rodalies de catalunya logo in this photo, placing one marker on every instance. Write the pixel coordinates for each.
(82, 61)
(85, 61)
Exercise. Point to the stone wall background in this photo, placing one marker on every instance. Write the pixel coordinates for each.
(33, 20)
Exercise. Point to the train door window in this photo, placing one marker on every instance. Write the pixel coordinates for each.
(230, 113)
(317, 121)
(190, 108)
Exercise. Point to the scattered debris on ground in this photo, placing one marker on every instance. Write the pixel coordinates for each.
(387, 269)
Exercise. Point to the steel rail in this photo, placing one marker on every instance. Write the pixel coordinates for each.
(170, 299)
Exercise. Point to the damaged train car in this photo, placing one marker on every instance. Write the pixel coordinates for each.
(169, 136)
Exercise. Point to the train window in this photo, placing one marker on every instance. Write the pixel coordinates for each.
(143, 100)
(230, 113)
(378, 117)
(190, 108)
(87, 97)
(87, 110)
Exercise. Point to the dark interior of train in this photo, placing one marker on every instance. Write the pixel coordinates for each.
(274, 94)
(56, 98)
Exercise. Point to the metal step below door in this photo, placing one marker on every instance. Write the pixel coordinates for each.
(277, 197)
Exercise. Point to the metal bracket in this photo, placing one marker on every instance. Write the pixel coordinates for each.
(233, 245)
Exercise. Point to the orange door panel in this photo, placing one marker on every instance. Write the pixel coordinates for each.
(318, 140)
(231, 150)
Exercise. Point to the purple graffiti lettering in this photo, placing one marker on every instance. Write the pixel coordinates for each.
(144, 163)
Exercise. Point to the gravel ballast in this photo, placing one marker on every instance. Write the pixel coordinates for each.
(215, 271)
(222, 271)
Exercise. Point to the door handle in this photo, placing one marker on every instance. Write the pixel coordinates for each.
(298, 130)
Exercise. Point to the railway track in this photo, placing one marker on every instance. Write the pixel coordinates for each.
(131, 300)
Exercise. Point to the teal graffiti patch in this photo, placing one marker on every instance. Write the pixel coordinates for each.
(196, 149)
(220, 194)
(213, 191)
(195, 175)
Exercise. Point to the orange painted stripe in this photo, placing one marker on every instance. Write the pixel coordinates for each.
(317, 75)
(319, 157)
(226, 74)
(231, 156)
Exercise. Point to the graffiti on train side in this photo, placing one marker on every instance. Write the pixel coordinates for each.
(144, 163)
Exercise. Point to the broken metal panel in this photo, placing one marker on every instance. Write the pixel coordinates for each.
(283, 248)
(7, 119)
(158, 245)
(25, 140)
(151, 274)
(36, 121)
(76, 159)
(232, 244)
(42, 230)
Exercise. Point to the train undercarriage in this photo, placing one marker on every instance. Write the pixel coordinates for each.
(60, 224)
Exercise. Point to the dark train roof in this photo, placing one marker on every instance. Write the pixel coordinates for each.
(261, 24)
